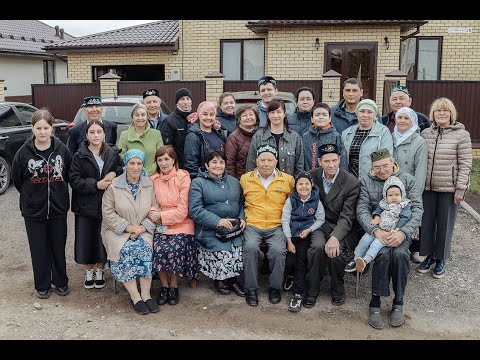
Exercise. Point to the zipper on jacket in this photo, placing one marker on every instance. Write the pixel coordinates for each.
(433, 157)
(453, 175)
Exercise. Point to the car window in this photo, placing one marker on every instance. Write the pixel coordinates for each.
(26, 113)
(8, 118)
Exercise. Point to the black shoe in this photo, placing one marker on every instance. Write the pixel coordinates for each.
(274, 296)
(309, 301)
(141, 308)
(173, 297)
(152, 305)
(63, 290)
(222, 287)
(237, 289)
(337, 301)
(251, 297)
(288, 282)
(163, 296)
(350, 267)
(43, 294)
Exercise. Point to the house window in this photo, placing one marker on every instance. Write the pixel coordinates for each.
(131, 72)
(242, 59)
(420, 58)
(48, 71)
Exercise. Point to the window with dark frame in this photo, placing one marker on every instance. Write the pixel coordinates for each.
(242, 59)
(49, 71)
(131, 72)
(420, 57)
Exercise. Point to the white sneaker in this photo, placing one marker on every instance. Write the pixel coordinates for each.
(99, 279)
(417, 258)
(89, 279)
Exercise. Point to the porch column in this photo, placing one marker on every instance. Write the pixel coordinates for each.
(109, 85)
(214, 86)
(2, 91)
(331, 87)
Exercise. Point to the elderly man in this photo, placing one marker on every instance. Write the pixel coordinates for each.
(333, 244)
(393, 259)
(400, 97)
(343, 113)
(265, 189)
(93, 109)
(152, 101)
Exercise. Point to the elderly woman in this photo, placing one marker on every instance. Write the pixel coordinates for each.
(174, 248)
(238, 143)
(202, 137)
(141, 136)
(448, 177)
(215, 200)
(128, 233)
(364, 138)
(290, 158)
(226, 112)
(410, 153)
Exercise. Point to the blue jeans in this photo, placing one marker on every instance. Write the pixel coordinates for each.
(368, 245)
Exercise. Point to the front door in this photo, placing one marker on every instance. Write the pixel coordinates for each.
(357, 60)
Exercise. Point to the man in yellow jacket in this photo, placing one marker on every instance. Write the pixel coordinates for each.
(265, 189)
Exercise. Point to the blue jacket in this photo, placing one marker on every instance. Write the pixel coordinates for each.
(403, 218)
(229, 122)
(315, 138)
(209, 201)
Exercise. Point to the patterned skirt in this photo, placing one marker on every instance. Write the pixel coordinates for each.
(135, 261)
(175, 254)
(221, 265)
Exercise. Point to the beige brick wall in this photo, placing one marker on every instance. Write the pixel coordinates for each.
(460, 52)
(80, 64)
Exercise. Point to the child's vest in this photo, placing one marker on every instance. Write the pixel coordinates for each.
(303, 213)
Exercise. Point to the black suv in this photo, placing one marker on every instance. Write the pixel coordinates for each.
(15, 129)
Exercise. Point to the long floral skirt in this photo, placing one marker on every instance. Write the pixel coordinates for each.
(175, 254)
(135, 261)
(221, 265)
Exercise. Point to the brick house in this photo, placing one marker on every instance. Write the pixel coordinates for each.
(285, 49)
(23, 61)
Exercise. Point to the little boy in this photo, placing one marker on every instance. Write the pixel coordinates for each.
(392, 212)
(302, 214)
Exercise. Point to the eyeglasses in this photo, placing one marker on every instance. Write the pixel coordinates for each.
(267, 79)
(382, 167)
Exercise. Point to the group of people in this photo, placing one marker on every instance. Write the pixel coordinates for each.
(207, 191)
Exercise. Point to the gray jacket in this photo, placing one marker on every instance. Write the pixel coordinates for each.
(290, 153)
(371, 192)
(411, 156)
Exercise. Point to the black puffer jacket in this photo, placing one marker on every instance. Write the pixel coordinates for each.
(84, 174)
(174, 131)
(42, 182)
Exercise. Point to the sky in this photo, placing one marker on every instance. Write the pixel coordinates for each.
(86, 27)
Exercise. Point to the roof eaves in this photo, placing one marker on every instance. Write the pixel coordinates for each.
(172, 46)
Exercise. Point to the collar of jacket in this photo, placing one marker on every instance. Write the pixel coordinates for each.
(122, 181)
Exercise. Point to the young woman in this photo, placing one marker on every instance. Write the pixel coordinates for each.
(93, 168)
(226, 113)
(40, 174)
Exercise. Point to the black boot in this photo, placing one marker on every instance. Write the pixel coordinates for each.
(222, 287)
(236, 287)
(173, 297)
(163, 296)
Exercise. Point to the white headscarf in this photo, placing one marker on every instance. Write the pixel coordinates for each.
(399, 138)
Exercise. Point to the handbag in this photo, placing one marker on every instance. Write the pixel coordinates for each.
(225, 235)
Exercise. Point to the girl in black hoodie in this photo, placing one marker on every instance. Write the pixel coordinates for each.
(40, 174)
(94, 166)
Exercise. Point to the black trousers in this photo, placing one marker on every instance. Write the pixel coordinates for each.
(318, 262)
(439, 216)
(296, 264)
(89, 248)
(47, 239)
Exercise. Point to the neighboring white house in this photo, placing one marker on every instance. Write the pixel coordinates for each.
(23, 61)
